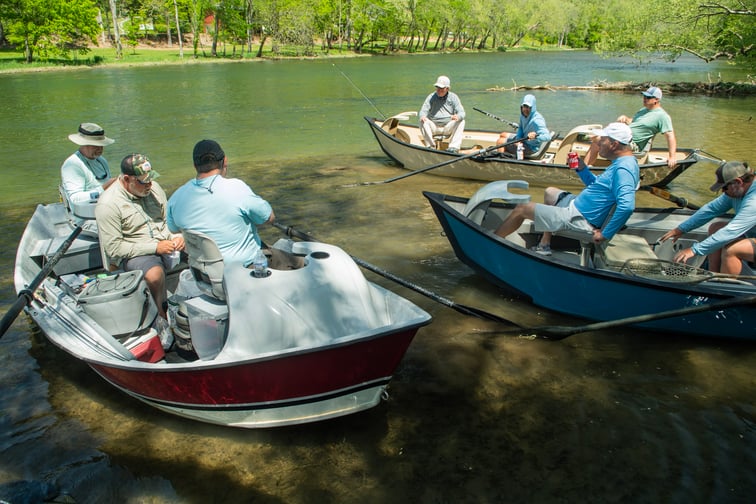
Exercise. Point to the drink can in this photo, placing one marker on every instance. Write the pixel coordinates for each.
(572, 160)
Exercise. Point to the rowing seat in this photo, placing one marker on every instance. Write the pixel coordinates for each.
(205, 263)
(543, 148)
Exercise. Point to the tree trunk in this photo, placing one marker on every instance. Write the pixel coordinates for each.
(116, 34)
(178, 31)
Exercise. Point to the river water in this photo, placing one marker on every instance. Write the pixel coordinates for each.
(611, 416)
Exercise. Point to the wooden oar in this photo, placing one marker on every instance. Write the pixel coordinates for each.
(561, 332)
(467, 310)
(666, 195)
(438, 165)
(26, 296)
(513, 125)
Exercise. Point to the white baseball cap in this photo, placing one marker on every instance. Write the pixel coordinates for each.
(442, 82)
(616, 131)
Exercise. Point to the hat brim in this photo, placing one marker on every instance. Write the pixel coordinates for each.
(80, 139)
(716, 187)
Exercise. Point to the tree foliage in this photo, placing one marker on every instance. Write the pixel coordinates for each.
(708, 29)
(49, 28)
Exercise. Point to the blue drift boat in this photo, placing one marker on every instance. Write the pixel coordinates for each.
(631, 276)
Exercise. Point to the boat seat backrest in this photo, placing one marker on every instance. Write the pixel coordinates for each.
(576, 140)
(205, 262)
(543, 148)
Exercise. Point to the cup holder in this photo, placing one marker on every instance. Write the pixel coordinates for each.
(320, 255)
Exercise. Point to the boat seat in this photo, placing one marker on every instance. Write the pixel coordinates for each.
(621, 248)
(205, 263)
(543, 148)
(82, 214)
(642, 155)
(391, 126)
(477, 205)
(578, 139)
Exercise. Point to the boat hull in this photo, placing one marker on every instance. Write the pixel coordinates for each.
(594, 294)
(341, 339)
(406, 149)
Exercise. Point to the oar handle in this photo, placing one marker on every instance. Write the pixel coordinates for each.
(25, 296)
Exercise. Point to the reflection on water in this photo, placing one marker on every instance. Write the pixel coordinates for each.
(472, 417)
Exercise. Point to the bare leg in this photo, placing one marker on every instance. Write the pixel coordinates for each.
(550, 196)
(715, 258)
(155, 279)
(504, 138)
(733, 255)
(516, 218)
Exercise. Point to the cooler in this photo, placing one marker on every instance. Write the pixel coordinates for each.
(208, 321)
(146, 348)
(121, 303)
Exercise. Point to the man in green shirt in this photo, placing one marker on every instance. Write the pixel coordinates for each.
(646, 123)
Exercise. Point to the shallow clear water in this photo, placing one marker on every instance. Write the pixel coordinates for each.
(601, 417)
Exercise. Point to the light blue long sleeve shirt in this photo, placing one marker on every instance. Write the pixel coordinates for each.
(616, 185)
(533, 122)
(743, 224)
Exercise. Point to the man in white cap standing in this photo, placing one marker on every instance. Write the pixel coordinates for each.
(85, 174)
(442, 113)
(590, 210)
(729, 245)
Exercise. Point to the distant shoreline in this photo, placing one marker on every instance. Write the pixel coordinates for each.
(169, 56)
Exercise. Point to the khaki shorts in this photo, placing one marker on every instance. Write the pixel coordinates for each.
(556, 218)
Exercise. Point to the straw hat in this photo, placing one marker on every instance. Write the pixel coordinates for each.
(90, 134)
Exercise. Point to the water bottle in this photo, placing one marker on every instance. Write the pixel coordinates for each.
(260, 265)
(520, 151)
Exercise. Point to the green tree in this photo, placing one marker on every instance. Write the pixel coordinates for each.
(49, 28)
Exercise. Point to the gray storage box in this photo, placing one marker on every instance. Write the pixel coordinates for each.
(121, 303)
(208, 320)
(83, 255)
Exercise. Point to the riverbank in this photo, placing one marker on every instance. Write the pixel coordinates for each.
(149, 55)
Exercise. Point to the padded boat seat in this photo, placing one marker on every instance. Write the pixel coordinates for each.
(623, 247)
(206, 263)
(543, 148)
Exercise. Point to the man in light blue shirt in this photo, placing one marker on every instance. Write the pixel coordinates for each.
(225, 209)
(589, 210)
(728, 245)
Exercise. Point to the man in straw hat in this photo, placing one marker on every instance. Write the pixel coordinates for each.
(442, 113)
(729, 245)
(85, 174)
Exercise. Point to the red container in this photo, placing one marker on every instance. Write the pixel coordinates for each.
(147, 348)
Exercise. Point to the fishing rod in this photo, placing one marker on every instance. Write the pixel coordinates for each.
(513, 125)
(383, 116)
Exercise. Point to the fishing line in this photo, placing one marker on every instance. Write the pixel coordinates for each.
(383, 116)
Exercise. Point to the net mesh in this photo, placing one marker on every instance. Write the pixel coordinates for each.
(659, 269)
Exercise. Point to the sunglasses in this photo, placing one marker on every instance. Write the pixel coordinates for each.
(728, 185)
(142, 182)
